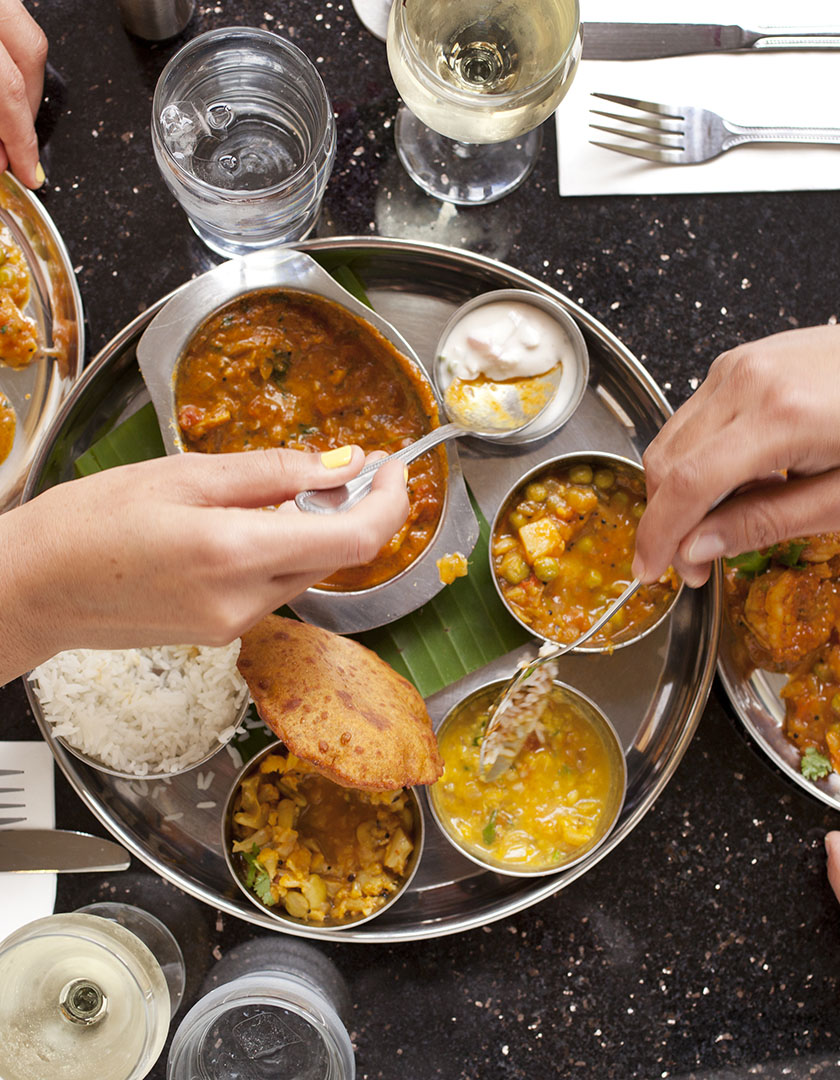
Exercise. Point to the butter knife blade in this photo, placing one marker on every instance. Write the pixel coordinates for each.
(648, 41)
(51, 851)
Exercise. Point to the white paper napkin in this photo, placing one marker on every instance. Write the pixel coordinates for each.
(769, 88)
(26, 897)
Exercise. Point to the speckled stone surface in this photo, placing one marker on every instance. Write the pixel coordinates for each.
(708, 944)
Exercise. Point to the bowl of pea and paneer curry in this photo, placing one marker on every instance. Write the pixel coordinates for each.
(562, 546)
(287, 368)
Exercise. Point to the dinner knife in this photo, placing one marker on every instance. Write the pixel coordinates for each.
(51, 851)
(646, 41)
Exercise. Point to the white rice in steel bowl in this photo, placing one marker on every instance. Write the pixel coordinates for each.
(142, 712)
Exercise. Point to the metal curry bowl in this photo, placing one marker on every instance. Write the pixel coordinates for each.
(598, 460)
(237, 865)
(165, 341)
(479, 850)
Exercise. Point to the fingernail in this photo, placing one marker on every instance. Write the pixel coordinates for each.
(705, 548)
(405, 473)
(334, 459)
(40, 175)
(638, 568)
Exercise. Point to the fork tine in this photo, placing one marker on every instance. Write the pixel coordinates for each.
(11, 772)
(651, 122)
(671, 111)
(8, 790)
(11, 820)
(12, 805)
(653, 137)
(661, 156)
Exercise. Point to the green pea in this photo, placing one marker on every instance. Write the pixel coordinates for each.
(637, 509)
(546, 568)
(594, 579)
(835, 703)
(580, 474)
(518, 519)
(620, 498)
(513, 568)
(604, 479)
(536, 492)
(586, 545)
(6, 276)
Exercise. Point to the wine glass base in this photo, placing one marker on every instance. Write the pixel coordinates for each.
(373, 15)
(467, 174)
(157, 938)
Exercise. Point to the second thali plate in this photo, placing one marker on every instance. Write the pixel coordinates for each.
(653, 691)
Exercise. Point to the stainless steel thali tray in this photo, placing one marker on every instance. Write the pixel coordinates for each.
(654, 691)
(36, 391)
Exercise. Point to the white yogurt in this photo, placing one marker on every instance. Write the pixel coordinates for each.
(505, 340)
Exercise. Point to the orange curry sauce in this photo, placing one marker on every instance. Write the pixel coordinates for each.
(283, 368)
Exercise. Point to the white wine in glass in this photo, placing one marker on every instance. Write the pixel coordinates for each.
(477, 79)
(80, 997)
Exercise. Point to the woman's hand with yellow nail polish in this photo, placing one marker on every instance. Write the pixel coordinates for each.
(178, 549)
(23, 57)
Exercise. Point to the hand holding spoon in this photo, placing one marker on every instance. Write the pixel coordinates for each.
(484, 409)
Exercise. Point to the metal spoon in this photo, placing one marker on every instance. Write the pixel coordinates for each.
(492, 410)
(491, 768)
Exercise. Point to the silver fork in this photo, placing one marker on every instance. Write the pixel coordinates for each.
(11, 805)
(685, 135)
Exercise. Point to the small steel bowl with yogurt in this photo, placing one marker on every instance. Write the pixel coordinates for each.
(513, 336)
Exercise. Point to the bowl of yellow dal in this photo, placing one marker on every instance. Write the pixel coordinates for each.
(558, 800)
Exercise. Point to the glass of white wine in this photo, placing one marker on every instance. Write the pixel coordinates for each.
(478, 77)
(82, 996)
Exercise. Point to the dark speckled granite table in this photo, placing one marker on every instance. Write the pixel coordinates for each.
(707, 944)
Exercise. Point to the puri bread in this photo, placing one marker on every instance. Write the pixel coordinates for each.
(337, 705)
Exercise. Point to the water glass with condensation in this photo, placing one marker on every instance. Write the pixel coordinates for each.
(272, 1008)
(244, 135)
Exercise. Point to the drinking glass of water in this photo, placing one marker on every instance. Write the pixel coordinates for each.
(244, 135)
(478, 77)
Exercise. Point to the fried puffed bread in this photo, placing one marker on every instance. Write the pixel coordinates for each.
(338, 706)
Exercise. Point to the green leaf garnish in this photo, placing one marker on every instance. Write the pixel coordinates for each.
(750, 564)
(788, 554)
(488, 834)
(256, 877)
(814, 765)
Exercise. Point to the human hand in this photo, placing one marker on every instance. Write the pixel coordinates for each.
(177, 550)
(766, 409)
(832, 847)
(23, 55)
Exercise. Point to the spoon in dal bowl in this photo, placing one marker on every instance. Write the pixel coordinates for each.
(484, 409)
(505, 735)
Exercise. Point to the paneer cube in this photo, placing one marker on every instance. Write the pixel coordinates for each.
(541, 537)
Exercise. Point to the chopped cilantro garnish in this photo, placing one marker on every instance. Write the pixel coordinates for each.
(256, 877)
(814, 765)
(488, 834)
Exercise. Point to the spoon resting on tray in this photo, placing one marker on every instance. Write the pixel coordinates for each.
(483, 408)
(506, 734)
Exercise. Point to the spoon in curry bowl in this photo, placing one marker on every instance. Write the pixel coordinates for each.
(483, 408)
